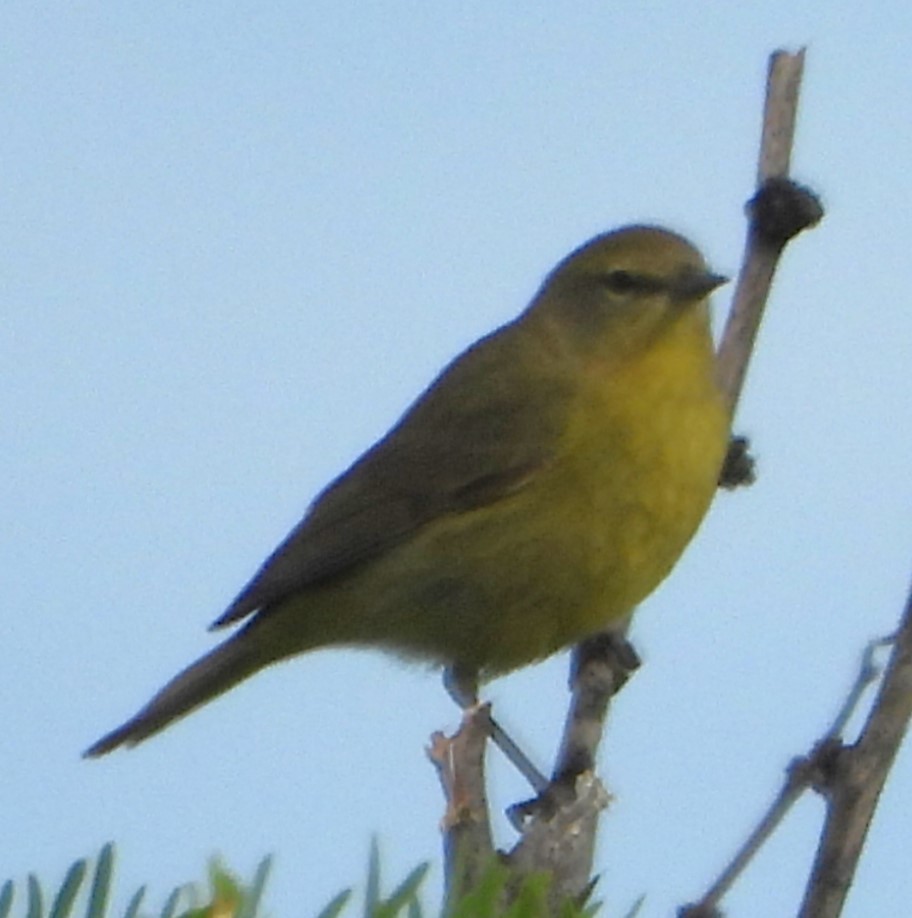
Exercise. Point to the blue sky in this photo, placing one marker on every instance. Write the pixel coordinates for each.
(238, 239)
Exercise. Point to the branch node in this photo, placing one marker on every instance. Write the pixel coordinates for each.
(739, 470)
(559, 836)
(819, 769)
(780, 210)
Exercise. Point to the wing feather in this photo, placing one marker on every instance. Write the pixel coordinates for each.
(470, 439)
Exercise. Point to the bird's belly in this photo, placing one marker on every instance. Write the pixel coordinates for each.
(571, 554)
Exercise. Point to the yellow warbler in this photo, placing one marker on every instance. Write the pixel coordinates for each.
(535, 493)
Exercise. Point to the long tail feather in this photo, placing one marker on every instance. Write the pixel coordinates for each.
(230, 663)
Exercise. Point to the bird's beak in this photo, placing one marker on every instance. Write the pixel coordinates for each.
(694, 285)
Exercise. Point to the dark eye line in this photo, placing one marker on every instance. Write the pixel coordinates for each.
(621, 281)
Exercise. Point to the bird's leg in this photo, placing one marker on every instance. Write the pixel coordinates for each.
(462, 685)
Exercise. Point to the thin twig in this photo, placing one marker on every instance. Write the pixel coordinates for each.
(783, 84)
(778, 212)
(599, 667)
(868, 672)
(803, 773)
(856, 780)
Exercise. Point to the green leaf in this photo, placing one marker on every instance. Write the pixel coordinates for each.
(484, 899)
(372, 892)
(133, 906)
(6, 899)
(226, 890)
(532, 898)
(336, 904)
(69, 889)
(403, 894)
(35, 902)
(101, 883)
(171, 903)
(254, 893)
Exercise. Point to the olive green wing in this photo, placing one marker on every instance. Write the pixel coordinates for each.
(476, 435)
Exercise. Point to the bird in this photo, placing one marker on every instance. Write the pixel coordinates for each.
(536, 492)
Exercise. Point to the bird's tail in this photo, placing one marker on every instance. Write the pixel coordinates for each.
(216, 672)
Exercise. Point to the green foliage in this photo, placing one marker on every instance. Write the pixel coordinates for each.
(496, 895)
(403, 900)
(336, 905)
(227, 897)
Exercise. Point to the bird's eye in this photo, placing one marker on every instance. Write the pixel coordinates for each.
(622, 281)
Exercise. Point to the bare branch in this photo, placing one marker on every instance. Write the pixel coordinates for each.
(562, 841)
(599, 667)
(558, 829)
(780, 113)
(779, 210)
(468, 846)
(868, 673)
(558, 836)
(856, 780)
(809, 771)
